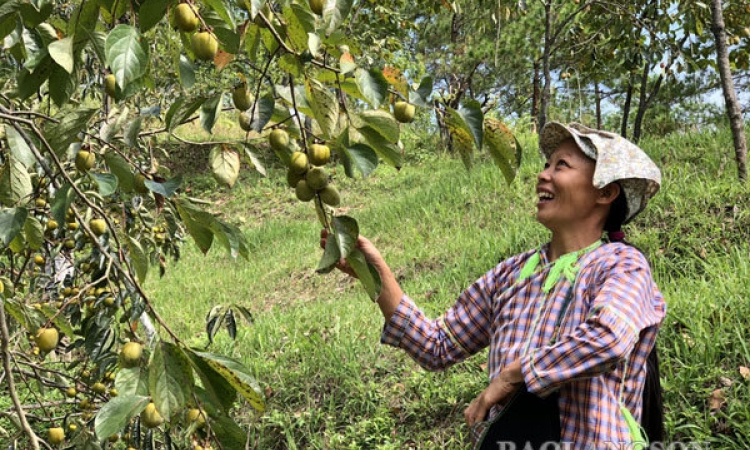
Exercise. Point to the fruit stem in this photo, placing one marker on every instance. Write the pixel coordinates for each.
(296, 113)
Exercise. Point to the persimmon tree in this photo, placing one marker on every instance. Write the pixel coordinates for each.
(91, 89)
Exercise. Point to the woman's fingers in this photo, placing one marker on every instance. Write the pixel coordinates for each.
(497, 392)
(475, 412)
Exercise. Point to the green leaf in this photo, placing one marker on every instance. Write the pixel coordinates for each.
(225, 165)
(325, 106)
(335, 13)
(361, 156)
(116, 413)
(313, 43)
(130, 136)
(228, 433)
(220, 8)
(170, 379)
(29, 83)
(226, 34)
(300, 21)
(237, 376)
(35, 13)
(187, 72)
(197, 222)
(131, 381)
(250, 154)
(262, 113)
(331, 255)
(62, 53)
(11, 223)
(366, 272)
(62, 86)
(290, 64)
(462, 138)
(15, 182)
(85, 440)
(106, 182)
(380, 121)
(127, 54)
(390, 153)
(181, 110)
(231, 238)
(150, 13)
(83, 20)
(113, 126)
(9, 8)
(351, 87)
(300, 98)
(347, 233)
(165, 189)
(34, 232)
(503, 147)
(138, 258)
(421, 96)
(98, 41)
(471, 111)
(373, 85)
(19, 149)
(121, 169)
(72, 122)
(217, 388)
(210, 111)
(63, 199)
(36, 50)
(252, 42)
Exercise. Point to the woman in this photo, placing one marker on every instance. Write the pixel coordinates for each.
(571, 324)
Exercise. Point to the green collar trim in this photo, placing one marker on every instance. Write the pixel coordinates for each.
(566, 265)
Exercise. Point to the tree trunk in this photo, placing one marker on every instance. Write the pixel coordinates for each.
(598, 102)
(545, 65)
(734, 112)
(626, 108)
(535, 98)
(642, 103)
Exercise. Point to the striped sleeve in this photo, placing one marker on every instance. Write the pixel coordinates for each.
(461, 331)
(625, 304)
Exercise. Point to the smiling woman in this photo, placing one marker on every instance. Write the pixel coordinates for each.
(571, 325)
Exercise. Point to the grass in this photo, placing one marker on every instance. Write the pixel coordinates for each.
(314, 343)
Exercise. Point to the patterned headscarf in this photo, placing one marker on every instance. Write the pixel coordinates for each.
(617, 159)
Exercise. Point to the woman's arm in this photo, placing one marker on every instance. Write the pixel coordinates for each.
(435, 344)
(390, 291)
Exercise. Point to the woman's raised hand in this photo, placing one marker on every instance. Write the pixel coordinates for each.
(372, 255)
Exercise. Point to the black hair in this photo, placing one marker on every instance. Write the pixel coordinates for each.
(618, 210)
(652, 412)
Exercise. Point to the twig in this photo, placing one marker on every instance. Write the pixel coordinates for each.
(11, 383)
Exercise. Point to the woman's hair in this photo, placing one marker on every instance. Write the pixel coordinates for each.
(618, 210)
(652, 415)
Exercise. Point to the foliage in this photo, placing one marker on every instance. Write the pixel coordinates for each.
(89, 206)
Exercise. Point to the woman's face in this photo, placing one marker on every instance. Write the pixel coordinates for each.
(565, 191)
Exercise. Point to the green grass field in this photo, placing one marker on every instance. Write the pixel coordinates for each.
(314, 345)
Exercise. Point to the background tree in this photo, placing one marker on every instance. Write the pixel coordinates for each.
(734, 112)
(88, 206)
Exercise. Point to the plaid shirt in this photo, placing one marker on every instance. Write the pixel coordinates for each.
(614, 315)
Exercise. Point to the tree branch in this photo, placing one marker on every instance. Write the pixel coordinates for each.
(11, 383)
